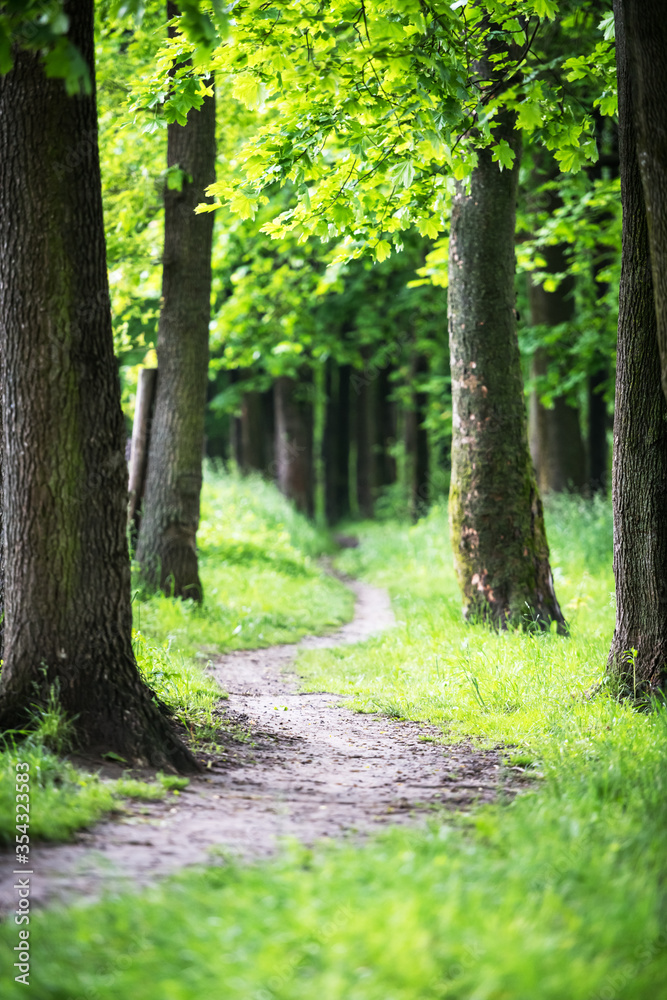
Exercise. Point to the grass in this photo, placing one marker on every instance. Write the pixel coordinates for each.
(512, 687)
(262, 586)
(560, 894)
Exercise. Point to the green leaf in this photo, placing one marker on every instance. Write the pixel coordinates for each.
(243, 206)
(429, 227)
(248, 90)
(546, 8)
(405, 174)
(530, 116)
(608, 104)
(503, 154)
(382, 250)
(175, 178)
(608, 26)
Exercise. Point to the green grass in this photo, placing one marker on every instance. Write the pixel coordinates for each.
(557, 895)
(510, 687)
(262, 586)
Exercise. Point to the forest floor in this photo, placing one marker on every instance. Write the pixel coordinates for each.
(364, 843)
(306, 768)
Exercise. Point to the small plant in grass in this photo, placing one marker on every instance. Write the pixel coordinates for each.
(50, 727)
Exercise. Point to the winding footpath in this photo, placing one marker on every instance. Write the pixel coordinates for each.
(312, 770)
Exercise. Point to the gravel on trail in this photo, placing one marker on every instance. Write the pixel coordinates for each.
(310, 769)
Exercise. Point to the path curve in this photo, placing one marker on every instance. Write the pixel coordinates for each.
(313, 770)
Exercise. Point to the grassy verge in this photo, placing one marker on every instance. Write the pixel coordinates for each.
(262, 586)
(516, 688)
(559, 895)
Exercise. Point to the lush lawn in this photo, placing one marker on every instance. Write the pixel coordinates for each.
(262, 586)
(559, 896)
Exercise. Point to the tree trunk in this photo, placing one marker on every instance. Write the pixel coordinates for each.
(166, 547)
(294, 442)
(268, 430)
(68, 612)
(416, 442)
(646, 39)
(337, 442)
(597, 433)
(638, 654)
(141, 429)
(496, 521)
(252, 432)
(556, 443)
(367, 470)
(386, 428)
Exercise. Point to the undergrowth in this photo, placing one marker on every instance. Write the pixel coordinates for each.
(524, 688)
(559, 894)
(258, 564)
(262, 586)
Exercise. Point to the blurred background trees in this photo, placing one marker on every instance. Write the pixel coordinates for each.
(329, 370)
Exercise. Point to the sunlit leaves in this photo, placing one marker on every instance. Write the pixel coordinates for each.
(362, 105)
(530, 116)
(382, 250)
(503, 154)
(248, 89)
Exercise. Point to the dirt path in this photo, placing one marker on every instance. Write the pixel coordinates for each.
(312, 770)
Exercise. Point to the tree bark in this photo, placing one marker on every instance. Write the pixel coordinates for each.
(639, 476)
(68, 610)
(366, 428)
(294, 442)
(141, 429)
(496, 521)
(556, 444)
(252, 432)
(597, 433)
(337, 442)
(646, 40)
(386, 427)
(166, 546)
(415, 439)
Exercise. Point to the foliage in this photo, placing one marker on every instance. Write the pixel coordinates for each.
(63, 798)
(586, 223)
(370, 110)
(42, 26)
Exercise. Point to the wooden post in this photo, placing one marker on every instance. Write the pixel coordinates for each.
(140, 439)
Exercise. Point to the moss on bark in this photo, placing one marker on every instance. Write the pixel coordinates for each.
(496, 518)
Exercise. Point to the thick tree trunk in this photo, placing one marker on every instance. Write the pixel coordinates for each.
(294, 442)
(166, 547)
(68, 613)
(646, 39)
(638, 655)
(496, 521)
(555, 434)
